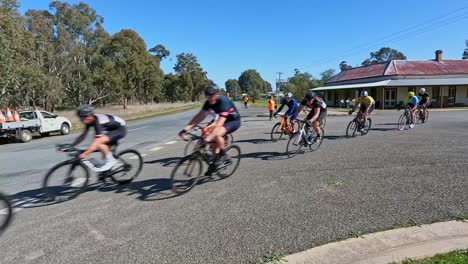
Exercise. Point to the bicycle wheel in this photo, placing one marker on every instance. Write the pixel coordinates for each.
(418, 116)
(351, 129)
(232, 162)
(316, 145)
(403, 122)
(366, 129)
(295, 144)
(228, 140)
(65, 181)
(186, 174)
(426, 117)
(128, 167)
(275, 135)
(6, 212)
(324, 122)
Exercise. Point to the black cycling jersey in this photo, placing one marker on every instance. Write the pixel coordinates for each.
(104, 123)
(317, 103)
(424, 98)
(224, 107)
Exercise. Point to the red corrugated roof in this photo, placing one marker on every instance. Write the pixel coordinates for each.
(402, 67)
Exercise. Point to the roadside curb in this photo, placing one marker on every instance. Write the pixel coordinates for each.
(388, 246)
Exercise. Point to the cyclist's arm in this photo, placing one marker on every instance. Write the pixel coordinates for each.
(280, 108)
(316, 114)
(81, 137)
(195, 120)
(220, 122)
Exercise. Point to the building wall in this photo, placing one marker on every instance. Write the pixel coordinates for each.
(461, 96)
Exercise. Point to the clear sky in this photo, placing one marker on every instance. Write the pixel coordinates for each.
(229, 37)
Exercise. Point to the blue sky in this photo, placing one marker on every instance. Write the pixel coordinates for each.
(229, 37)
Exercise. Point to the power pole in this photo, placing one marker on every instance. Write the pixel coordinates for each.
(277, 86)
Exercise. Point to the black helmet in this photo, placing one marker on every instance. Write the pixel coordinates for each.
(211, 89)
(84, 110)
(310, 95)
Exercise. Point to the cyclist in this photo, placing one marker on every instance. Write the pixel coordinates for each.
(108, 130)
(316, 115)
(229, 121)
(411, 102)
(424, 102)
(366, 105)
(292, 104)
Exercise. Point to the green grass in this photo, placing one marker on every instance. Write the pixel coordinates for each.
(454, 257)
(273, 259)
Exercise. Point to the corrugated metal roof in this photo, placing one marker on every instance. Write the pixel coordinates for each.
(403, 68)
(398, 83)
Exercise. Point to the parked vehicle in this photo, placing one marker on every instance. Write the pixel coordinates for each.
(35, 122)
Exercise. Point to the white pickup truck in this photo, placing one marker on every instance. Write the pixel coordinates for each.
(37, 121)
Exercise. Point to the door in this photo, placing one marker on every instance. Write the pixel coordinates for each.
(48, 122)
(452, 95)
(390, 98)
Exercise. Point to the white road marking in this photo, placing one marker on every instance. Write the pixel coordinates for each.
(156, 149)
(171, 142)
(136, 157)
(135, 129)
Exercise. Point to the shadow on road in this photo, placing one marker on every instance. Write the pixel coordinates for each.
(335, 137)
(255, 141)
(150, 190)
(266, 155)
(387, 124)
(166, 162)
(384, 129)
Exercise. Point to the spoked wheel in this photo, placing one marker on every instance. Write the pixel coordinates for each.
(186, 174)
(228, 140)
(275, 134)
(366, 129)
(403, 122)
(6, 212)
(295, 144)
(427, 117)
(316, 142)
(418, 116)
(65, 181)
(129, 165)
(351, 129)
(322, 125)
(231, 163)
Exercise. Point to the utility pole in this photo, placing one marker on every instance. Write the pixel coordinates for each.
(278, 86)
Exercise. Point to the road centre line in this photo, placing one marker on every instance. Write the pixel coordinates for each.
(135, 129)
(156, 148)
(171, 142)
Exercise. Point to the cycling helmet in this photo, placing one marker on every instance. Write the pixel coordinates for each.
(288, 95)
(410, 94)
(84, 110)
(422, 90)
(310, 95)
(364, 93)
(211, 89)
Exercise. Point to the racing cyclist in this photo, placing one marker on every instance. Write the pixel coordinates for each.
(292, 104)
(108, 130)
(229, 121)
(424, 102)
(366, 105)
(411, 102)
(317, 115)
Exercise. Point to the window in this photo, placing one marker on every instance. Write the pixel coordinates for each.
(435, 93)
(47, 115)
(27, 116)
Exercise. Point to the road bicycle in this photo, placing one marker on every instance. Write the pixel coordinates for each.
(69, 178)
(305, 137)
(188, 171)
(404, 120)
(195, 142)
(419, 114)
(357, 123)
(283, 128)
(6, 212)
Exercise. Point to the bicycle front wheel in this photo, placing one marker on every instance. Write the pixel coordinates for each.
(186, 174)
(403, 122)
(228, 140)
(192, 146)
(65, 181)
(295, 144)
(231, 163)
(351, 129)
(316, 142)
(418, 115)
(6, 213)
(128, 167)
(276, 132)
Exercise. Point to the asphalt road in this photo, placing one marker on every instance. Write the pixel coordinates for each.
(272, 204)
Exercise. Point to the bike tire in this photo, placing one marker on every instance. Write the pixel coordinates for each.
(187, 167)
(322, 125)
(192, 146)
(402, 122)
(275, 135)
(234, 156)
(366, 129)
(6, 212)
(351, 129)
(294, 145)
(417, 115)
(60, 192)
(125, 165)
(315, 146)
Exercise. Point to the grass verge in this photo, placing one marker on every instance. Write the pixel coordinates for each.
(454, 257)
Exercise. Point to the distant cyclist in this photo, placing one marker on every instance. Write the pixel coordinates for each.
(293, 106)
(318, 113)
(229, 121)
(108, 130)
(366, 105)
(411, 102)
(424, 102)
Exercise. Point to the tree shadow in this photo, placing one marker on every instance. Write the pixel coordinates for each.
(387, 124)
(335, 137)
(255, 141)
(266, 155)
(166, 162)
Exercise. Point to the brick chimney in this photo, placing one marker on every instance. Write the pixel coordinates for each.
(438, 56)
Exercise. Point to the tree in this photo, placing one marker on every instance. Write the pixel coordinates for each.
(160, 52)
(232, 86)
(344, 66)
(301, 82)
(251, 82)
(189, 63)
(465, 53)
(383, 55)
(186, 87)
(327, 74)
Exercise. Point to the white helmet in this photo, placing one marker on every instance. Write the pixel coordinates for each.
(422, 90)
(288, 95)
(364, 94)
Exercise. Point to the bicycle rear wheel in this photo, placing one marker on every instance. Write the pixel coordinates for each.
(418, 116)
(316, 143)
(275, 135)
(186, 174)
(295, 144)
(6, 213)
(403, 122)
(351, 129)
(231, 164)
(65, 181)
(128, 167)
(367, 127)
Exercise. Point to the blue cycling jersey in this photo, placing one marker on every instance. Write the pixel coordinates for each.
(293, 105)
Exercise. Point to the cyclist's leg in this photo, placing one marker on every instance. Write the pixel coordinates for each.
(291, 120)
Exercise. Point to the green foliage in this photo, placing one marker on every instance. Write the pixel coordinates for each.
(454, 257)
(300, 83)
(327, 74)
(465, 53)
(252, 83)
(232, 86)
(383, 55)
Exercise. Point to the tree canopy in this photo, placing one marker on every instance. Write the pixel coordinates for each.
(382, 55)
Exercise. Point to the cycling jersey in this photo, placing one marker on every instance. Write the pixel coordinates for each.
(103, 123)
(365, 100)
(293, 105)
(412, 101)
(224, 107)
(317, 103)
(424, 98)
